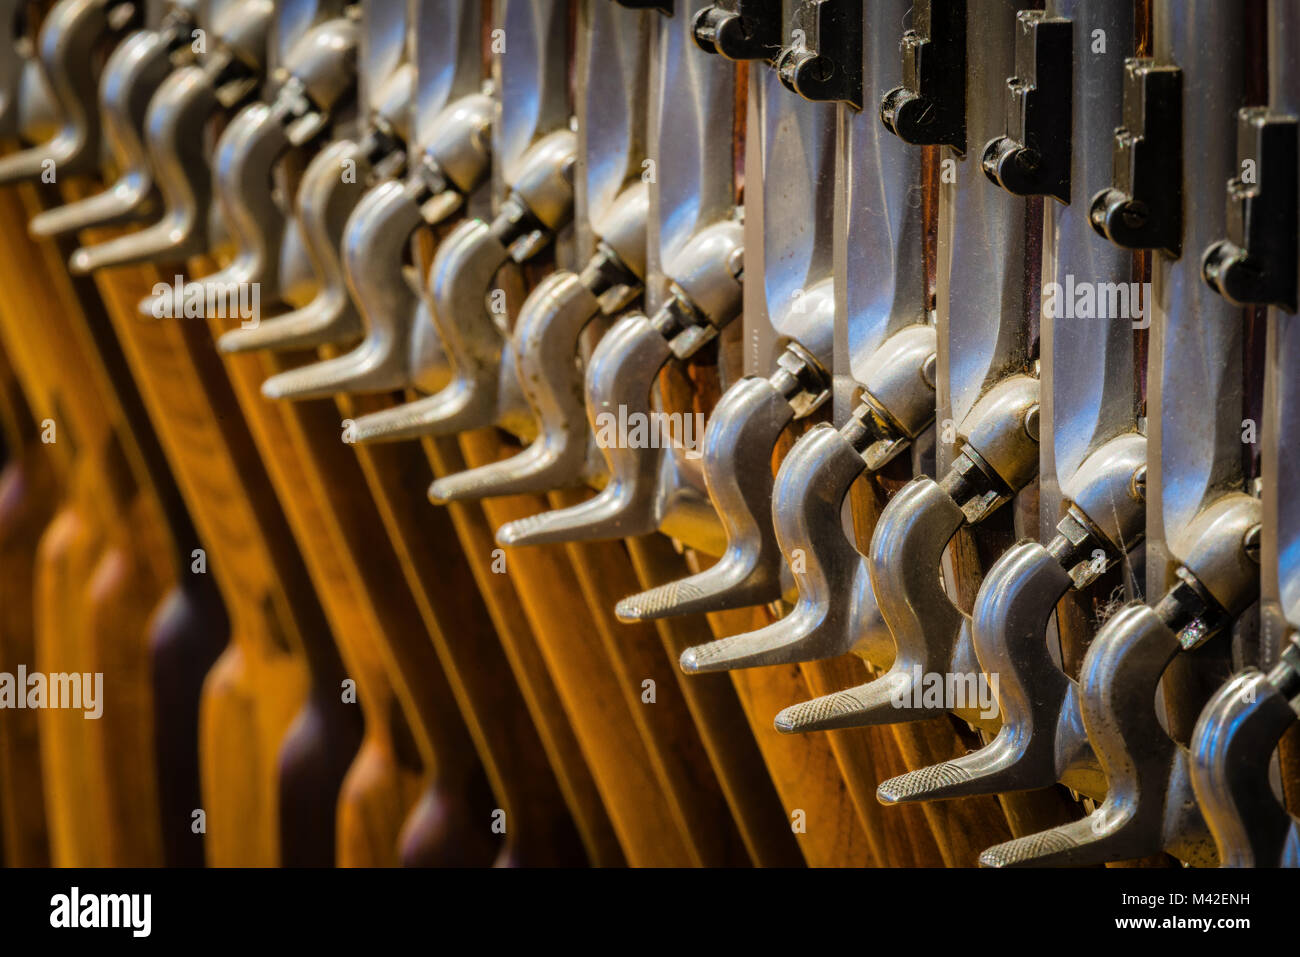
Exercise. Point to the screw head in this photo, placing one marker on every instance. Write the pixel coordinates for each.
(1028, 160)
(1250, 542)
(1133, 215)
(930, 369)
(736, 263)
(1137, 484)
(822, 69)
(1031, 422)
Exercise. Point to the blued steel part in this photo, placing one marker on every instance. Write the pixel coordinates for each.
(1256, 264)
(823, 60)
(740, 29)
(1190, 611)
(1143, 208)
(929, 108)
(1033, 157)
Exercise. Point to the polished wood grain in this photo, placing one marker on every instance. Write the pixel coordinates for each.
(803, 768)
(256, 688)
(586, 680)
(29, 494)
(719, 717)
(383, 639)
(98, 575)
(27, 498)
(539, 827)
(407, 632)
(696, 388)
(487, 563)
(680, 761)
